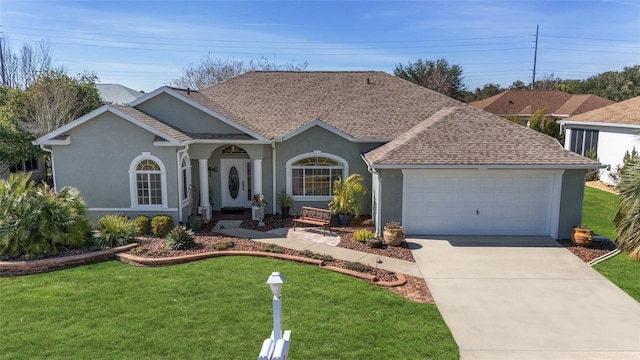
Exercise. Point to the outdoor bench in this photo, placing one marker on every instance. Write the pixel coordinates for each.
(313, 216)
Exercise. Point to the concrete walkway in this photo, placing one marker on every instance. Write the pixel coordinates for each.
(526, 298)
(313, 240)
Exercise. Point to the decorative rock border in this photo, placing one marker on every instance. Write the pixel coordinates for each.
(144, 261)
(15, 268)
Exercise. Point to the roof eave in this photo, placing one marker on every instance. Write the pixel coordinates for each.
(596, 123)
(489, 166)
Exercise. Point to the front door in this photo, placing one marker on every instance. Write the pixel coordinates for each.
(235, 182)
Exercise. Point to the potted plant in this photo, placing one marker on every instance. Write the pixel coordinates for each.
(195, 219)
(582, 235)
(393, 233)
(285, 200)
(347, 195)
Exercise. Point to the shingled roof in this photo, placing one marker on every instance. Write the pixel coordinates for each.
(364, 105)
(527, 102)
(481, 140)
(624, 112)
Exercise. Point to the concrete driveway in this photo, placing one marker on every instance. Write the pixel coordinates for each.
(526, 298)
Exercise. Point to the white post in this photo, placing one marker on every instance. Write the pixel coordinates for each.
(257, 176)
(204, 188)
(277, 319)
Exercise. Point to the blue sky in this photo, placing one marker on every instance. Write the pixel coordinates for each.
(146, 44)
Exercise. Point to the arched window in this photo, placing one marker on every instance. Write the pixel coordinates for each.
(310, 176)
(185, 179)
(147, 181)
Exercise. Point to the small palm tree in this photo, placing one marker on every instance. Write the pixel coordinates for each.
(347, 195)
(627, 219)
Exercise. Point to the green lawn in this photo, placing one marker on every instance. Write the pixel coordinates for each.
(599, 209)
(214, 309)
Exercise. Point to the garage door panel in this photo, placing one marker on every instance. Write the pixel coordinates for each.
(478, 203)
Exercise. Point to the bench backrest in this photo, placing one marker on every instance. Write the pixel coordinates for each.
(315, 213)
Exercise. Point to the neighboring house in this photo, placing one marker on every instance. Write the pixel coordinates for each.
(522, 104)
(36, 166)
(437, 165)
(611, 131)
(117, 94)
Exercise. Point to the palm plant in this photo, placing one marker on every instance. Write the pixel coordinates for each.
(627, 219)
(347, 195)
(38, 222)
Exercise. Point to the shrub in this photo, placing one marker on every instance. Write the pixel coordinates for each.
(180, 238)
(273, 248)
(38, 222)
(223, 245)
(161, 225)
(593, 174)
(115, 230)
(358, 266)
(317, 256)
(363, 235)
(143, 225)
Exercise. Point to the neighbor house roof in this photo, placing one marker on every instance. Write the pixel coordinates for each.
(527, 102)
(624, 112)
(464, 136)
(117, 94)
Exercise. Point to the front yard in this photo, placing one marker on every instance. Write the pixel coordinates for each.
(215, 309)
(599, 209)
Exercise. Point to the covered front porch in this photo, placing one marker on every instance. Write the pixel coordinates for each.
(226, 176)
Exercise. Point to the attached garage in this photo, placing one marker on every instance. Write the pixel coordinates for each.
(481, 202)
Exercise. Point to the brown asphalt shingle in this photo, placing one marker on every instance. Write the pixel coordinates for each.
(527, 102)
(153, 122)
(364, 105)
(481, 140)
(624, 112)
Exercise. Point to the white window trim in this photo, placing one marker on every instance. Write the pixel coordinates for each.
(315, 153)
(185, 199)
(133, 183)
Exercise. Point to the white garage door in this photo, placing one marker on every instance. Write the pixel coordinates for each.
(480, 202)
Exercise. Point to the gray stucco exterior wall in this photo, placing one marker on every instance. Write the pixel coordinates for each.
(98, 159)
(317, 138)
(184, 116)
(571, 201)
(391, 195)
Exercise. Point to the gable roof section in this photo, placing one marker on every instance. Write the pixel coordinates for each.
(364, 105)
(200, 102)
(137, 117)
(527, 102)
(626, 112)
(484, 140)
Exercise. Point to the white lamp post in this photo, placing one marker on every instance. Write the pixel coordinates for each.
(275, 282)
(277, 346)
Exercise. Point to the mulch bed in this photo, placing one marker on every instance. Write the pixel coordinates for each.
(590, 253)
(155, 248)
(345, 232)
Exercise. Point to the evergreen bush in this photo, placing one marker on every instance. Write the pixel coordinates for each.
(161, 225)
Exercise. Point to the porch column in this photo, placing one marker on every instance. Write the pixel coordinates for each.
(257, 176)
(205, 207)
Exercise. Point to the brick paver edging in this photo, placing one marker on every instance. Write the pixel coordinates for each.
(15, 268)
(144, 261)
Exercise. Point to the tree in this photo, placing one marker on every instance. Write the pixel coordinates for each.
(211, 71)
(55, 99)
(613, 85)
(539, 123)
(21, 69)
(435, 75)
(487, 91)
(627, 218)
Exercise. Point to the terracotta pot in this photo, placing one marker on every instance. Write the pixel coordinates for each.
(582, 237)
(393, 236)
